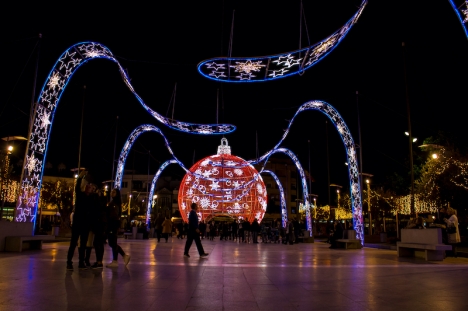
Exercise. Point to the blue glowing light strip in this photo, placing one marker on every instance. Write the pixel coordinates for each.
(462, 14)
(284, 210)
(305, 191)
(346, 137)
(128, 145)
(44, 112)
(153, 185)
(265, 68)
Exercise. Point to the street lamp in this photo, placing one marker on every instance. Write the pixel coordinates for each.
(369, 206)
(338, 199)
(368, 199)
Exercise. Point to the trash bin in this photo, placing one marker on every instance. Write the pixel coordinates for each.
(383, 237)
(134, 232)
(55, 231)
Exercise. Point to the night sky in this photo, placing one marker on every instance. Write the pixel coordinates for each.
(160, 47)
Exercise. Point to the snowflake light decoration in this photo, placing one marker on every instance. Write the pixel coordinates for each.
(275, 66)
(462, 13)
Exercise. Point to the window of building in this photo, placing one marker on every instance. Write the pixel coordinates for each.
(124, 184)
(293, 174)
(137, 184)
(268, 185)
(293, 186)
(293, 198)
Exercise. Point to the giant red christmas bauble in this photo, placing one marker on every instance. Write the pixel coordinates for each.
(223, 185)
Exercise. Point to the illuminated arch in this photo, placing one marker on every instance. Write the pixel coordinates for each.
(266, 68)
(44, 112)
(128, 145)
(353, 172)
(153, 184)
(462, 14)
(284, 211)
(305, 191)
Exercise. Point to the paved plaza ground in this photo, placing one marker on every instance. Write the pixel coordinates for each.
(304, 276)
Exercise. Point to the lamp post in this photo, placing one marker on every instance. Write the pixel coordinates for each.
(411, 141)
(369, 206)
(368, 199)
(338, 202)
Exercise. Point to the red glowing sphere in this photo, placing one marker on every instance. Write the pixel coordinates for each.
(223, 185)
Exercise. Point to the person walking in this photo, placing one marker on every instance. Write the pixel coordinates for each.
(158, 226)
(113, 213)
(167, 228)
(180, 228)
(84, 203)
(194, 233)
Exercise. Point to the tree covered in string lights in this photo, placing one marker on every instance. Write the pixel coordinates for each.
(444, 177)
(57, 196)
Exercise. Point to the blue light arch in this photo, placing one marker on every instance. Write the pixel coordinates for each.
(44, 111)
(348, 142)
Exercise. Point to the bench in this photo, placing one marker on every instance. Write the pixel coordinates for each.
(20, 243)
(127, 235)
(422, 243)
(351, 242)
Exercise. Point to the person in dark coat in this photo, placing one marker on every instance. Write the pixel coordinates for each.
(337, 234)
(194, 233)
(158, 226)
(98, 230)
(255, 228)
(84, 202)
(114, 212)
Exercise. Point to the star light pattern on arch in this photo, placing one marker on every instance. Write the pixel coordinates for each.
(153, 185)
(353, 171)
(128, 146)
(284, 211)
(461, 9)
(256, 69)
(44, 111)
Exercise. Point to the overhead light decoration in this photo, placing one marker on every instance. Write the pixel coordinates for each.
(461, 9)
(274, 66)
(47, 102)
(223, 185)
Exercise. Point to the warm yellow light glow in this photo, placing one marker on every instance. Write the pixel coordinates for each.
(434, 156)
(367, 181)
(10, 148)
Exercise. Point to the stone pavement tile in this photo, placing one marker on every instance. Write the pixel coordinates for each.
(196, 308)
(399, 305)
(240, 305)
(264, 287)
(272, 295)
(350, 307)
(238, 295)
(207, 303)
(209, 294)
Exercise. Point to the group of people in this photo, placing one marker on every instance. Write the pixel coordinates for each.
(243, 231)
(94, 221)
